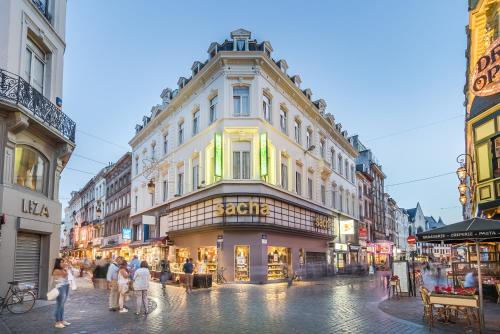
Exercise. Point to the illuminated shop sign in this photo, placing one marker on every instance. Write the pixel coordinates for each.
(341, 247)
(263, 154)
(250, 208)
(486, 77)
(218, 154)
(34, 208)
(347, 227)
(126, 233)
(322, 222)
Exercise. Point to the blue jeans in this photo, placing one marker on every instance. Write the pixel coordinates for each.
(61, 300)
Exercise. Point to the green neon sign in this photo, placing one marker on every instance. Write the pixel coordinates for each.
(218, 154)
(263, 154)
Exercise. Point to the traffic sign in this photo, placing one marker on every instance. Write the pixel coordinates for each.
(412, 247)
(412, 239)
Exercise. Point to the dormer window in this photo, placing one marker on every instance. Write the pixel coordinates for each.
(240, 45)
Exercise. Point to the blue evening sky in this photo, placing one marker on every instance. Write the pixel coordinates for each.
(383, 67)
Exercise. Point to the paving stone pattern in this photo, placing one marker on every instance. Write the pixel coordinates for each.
(337, 305)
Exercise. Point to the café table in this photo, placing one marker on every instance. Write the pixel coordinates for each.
(468, 305)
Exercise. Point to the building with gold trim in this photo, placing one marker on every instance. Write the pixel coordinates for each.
(480, 189)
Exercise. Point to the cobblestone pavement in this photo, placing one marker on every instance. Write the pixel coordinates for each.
(337, 305)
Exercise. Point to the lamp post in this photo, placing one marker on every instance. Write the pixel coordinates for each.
(464, 188)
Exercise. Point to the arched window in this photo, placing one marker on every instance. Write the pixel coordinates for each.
(31, 169)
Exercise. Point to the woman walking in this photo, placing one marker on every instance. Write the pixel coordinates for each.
(122, 285)
(141, 286)
(60, 276)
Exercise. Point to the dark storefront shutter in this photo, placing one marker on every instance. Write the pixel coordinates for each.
(27, 262)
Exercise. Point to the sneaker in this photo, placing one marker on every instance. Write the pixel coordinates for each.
(65, 323)
(112, 309)
(59, 325)
(124, 310)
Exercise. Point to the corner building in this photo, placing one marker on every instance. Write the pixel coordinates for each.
(36, 139)
(239, 168)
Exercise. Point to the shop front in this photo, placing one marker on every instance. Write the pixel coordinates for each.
(152, 251)
(249, 239)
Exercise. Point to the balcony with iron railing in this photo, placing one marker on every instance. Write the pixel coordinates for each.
(17, 91)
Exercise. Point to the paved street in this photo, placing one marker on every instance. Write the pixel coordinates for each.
(338, 305)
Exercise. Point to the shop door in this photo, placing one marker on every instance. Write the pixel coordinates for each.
(315, 264)
(27, 260)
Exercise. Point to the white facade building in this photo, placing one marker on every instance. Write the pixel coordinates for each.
(36, 138)
(242, 130)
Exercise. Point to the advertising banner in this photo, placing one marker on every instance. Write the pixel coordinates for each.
(347, 227)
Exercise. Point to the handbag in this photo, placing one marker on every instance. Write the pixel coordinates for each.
(53, 294)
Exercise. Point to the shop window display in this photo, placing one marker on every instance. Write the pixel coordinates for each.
(241, 259)
(207, 260)
(181, 254)
(278, 261)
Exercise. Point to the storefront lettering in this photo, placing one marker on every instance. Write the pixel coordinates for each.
(250, 208)
(486, 78)
(35, 208)
(322, 222)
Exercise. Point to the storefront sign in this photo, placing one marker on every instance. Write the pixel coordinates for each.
(384, 248)
(486, 77)
(363, 233)
(34, 208)
(371, 248)
(264, 239)
(241, 261)
(218, 154)
(263, 154)
(412, 247)
(322, 222)
(341, 247)
(354, 248)
(347, 227)
(126, 233)
(250, 208)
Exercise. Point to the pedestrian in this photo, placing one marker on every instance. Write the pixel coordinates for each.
(99, 273)
(60, 277)
(141, 286)
(123, 275)
(165, 273)
(470, 280)
(134, 265)
(112, 278)
(187, 268)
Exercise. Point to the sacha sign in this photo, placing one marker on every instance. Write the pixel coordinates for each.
(486, 78)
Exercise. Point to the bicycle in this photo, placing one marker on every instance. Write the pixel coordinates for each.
(18, 300)
(220, 276)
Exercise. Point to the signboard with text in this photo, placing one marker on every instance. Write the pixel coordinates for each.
(347, 227)
(486, 78)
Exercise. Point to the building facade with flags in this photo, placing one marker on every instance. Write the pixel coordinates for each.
(480, 182)
(243, 170)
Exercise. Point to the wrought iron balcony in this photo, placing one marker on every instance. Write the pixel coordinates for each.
(18, 91)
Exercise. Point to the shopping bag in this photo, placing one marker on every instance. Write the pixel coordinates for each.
(53, 294)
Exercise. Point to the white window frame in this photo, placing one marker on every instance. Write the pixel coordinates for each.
(213, 109)
(241, 103)
(266, 107)
(284, 120)
(298, 183)
(181, 133)
(196, 122)
(297, 128)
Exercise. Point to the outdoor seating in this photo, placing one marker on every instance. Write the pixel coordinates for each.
(430, 309)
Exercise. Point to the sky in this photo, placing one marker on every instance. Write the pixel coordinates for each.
(390, 71)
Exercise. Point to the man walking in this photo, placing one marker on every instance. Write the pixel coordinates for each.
(112, 278)
(134, 265)
(188, 269)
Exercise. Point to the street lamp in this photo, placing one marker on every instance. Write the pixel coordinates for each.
(98, 212)
(462, 188)
(461, 173)
(151, 187)
(463, 199)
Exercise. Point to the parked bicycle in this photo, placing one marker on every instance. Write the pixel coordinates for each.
(220, 276)
(19, 298)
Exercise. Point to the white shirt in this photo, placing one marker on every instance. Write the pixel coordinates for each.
(122, 280)
(141, 279)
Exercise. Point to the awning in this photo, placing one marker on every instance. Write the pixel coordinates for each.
(467, 230)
